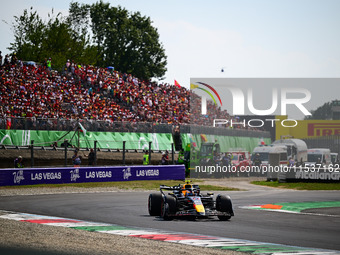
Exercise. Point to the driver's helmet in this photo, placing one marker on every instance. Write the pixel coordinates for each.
(188, 190)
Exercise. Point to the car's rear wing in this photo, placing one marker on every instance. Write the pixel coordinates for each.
(175, 188)
(165, 187)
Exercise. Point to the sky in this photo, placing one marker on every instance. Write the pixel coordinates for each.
(245, 38)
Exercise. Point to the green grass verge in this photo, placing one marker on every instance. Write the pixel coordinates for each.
(128, 185)
(300, 185)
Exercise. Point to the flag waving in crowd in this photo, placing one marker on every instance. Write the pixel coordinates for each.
(83, 130)
(177, 84)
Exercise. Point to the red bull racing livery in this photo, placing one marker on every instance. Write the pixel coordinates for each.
(187, 200)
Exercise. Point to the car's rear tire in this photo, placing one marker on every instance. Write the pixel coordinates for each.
(155, 204)
(223, 204)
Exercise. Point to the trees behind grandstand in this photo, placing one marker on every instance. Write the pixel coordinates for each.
(36, 40)
(323, 112)
(96, 34)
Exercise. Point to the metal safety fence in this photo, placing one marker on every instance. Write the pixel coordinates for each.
(329, 142)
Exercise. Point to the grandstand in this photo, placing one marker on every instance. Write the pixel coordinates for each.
(34, 98)
(88, 92)
(81, 92)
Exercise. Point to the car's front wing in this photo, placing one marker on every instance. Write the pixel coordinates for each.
(193, 212)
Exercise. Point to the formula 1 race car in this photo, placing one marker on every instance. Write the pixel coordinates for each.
(187, 200)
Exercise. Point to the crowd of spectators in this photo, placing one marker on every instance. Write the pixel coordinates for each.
(86, 92)
(83, 92)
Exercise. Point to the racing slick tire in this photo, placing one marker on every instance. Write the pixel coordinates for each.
(223, 204)
(168, 207)
(155, 204)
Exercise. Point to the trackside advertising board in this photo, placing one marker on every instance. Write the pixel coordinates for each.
(33, 176)
(309, 128)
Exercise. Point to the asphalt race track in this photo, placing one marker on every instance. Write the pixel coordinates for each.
(130, 209)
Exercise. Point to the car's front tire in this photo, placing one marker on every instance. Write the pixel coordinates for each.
(168, 207)
(223, 204)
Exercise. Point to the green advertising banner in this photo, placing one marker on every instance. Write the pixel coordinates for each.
(114, 140)
(229, 142)
(108, 140)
